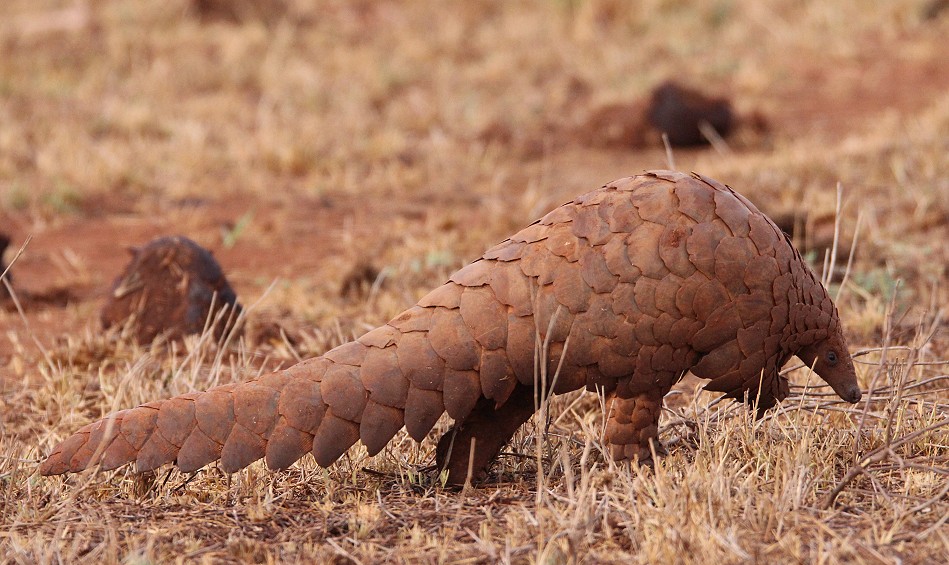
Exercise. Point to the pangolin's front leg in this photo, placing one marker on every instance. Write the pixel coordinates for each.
(490, 428)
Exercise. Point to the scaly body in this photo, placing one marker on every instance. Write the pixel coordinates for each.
(630, 286)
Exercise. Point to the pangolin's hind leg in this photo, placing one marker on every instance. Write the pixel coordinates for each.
(633, 425)
(490, 428)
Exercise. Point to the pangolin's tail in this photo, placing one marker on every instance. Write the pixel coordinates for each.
(473, 338)
(364, 390)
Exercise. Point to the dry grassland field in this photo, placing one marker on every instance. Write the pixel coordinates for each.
(342, 158)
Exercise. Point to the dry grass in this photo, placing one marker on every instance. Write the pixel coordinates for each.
(300, 143)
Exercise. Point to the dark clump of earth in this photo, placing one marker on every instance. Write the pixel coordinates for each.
(4, 293)
(239, 11)
(689, 118)
(680, 113)
(172, 287)
(934, 9)
(359, 280)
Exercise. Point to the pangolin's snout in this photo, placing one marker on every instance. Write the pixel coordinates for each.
(852, 395)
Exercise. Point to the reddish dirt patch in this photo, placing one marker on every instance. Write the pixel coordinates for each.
(836, 96)
(288, 238)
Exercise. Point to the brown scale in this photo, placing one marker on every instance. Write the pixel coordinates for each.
(630, 286)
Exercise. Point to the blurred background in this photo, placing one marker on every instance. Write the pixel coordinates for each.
(360, 151)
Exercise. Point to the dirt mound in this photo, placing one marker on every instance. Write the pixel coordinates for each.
(239, 11)
(682, 114)
(359, 280)
(171, 288)
(688, 116)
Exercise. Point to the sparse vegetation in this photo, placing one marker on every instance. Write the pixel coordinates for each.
(300, 143)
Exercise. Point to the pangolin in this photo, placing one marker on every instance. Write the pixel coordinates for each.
(171, 287)
(623, 290)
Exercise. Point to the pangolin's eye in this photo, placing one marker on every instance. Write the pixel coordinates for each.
(832, 357)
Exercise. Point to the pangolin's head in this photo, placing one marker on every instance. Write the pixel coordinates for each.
(832, 362)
